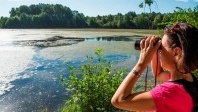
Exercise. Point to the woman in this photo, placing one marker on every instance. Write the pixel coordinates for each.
(178, 54)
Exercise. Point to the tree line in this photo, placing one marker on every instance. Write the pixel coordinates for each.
(59, 16)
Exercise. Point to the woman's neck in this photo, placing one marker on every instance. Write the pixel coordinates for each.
(177, 75)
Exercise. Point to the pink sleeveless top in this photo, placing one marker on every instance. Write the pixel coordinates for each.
(171, 97)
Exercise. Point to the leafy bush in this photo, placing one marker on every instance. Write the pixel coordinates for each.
(93, 85)
(185, 15)
(196, 73)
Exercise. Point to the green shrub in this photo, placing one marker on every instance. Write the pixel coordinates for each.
(93, 86)
(196, 73)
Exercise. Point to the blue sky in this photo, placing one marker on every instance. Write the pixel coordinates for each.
(101, 7)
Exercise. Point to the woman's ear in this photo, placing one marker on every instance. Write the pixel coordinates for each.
(177, 53)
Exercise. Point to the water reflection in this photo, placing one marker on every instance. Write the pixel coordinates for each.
(65, 41)
(113, 38)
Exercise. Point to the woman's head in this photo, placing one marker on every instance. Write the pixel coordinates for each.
(184, 37)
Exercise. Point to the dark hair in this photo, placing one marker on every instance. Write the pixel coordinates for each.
(191, 88)
(185, 36)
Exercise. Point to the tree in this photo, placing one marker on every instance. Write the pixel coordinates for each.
(12, 22)
(92, 23)
(141, 22)
(157, 20)
(185, 15)
(3, 21)
(25, 21)
(23, 9)
(79, 21)
(34, 10)
(12, 12)
(147, 2)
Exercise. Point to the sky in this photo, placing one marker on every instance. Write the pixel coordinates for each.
(102, 7)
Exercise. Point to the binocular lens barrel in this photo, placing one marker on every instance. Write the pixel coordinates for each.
(137, 43)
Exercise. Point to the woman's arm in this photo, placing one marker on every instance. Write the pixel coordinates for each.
(124, 98)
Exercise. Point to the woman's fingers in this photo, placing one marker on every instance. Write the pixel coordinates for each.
(153, 41)
(150, 42)
(147, 41)
(142, 44)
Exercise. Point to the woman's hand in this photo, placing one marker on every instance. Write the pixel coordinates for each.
(148, 49)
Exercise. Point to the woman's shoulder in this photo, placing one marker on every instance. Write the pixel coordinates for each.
(168, 86)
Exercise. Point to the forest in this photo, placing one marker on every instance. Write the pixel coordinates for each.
(59, 16)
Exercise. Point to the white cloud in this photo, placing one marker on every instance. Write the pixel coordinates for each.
(182, 0)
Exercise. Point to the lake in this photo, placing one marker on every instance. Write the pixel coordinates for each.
(32, 61)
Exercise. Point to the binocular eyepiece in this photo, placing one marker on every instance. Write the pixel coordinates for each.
(137, 43)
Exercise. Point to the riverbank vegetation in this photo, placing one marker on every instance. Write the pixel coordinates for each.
(92, 86)
(59, 16)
